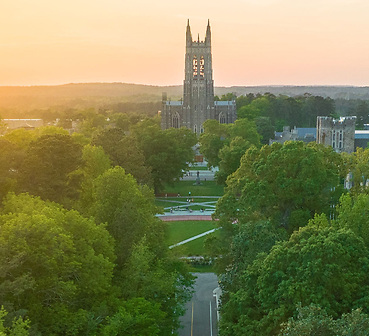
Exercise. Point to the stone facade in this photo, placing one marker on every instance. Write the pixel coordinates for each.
(338, 133)
(198, 103)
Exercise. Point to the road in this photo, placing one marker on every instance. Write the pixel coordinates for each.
(201, 315)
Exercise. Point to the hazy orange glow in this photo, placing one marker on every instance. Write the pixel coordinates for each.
(255, 42)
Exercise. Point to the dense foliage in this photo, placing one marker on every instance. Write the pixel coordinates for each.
(81, 251)
(290, 271)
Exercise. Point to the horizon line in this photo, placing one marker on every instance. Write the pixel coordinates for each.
(174, 85)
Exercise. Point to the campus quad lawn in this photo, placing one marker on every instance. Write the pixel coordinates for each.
(207, 188)
(181, 230)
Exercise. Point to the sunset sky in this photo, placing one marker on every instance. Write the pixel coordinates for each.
(254, 42)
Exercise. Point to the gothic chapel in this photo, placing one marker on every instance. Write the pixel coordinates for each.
(198, 102)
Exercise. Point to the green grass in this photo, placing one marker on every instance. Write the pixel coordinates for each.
(208, 188)
(181, 230)
(194, 247)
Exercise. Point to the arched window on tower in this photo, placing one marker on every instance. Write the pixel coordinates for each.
(175, 120)
(195, 129)
(222, 118)
(201, 129)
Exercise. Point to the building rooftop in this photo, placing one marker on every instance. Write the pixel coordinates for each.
(174, 103)
(224, 103)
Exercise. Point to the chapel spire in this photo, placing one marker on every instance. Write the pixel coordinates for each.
(188, 33)
(208, 34)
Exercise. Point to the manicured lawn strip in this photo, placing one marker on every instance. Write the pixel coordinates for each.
(181, 230)
(165, 204)
(208, 188)
(195, 247)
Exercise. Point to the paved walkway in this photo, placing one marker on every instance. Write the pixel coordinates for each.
(188, 217)
(204, 175)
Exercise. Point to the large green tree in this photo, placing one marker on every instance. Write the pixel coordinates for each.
(129, 211)
(47, 167)
(281, 183)
(213, 140)
(313, 320)
(143, 267)
(55, 265)
(166, 152)
(318, 264)
(223, 145)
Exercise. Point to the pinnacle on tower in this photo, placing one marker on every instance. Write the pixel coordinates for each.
(188, 33)
(208, 34)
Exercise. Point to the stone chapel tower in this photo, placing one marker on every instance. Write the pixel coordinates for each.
(198, 90)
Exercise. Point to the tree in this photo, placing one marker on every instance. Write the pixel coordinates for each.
(212, 141)
(19, 327)
(124, 151)
(143, 267)
(313, 320)
(54, 264)
(265, 129)
(318, 264)
(310, 320)
(281, 183)
(167, 152)
(252, 239)
(129, 212)
(353, 214)
(218, 137)
(46, 169)
(10, 157)
(135, 317)
(230, 156)
(160, 281)
(20, 137)
(257, 108)
(94, 163)
(359, 170)
(362, 114)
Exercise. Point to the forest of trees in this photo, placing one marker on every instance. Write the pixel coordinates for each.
(294, 243)
(81, 250)
(82, 253)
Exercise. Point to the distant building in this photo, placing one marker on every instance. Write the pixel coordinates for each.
(296, 134)
(361, 138)
(28, 124)
(198, 103)
(338, 133)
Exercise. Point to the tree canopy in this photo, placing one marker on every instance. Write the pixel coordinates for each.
(55, 265)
